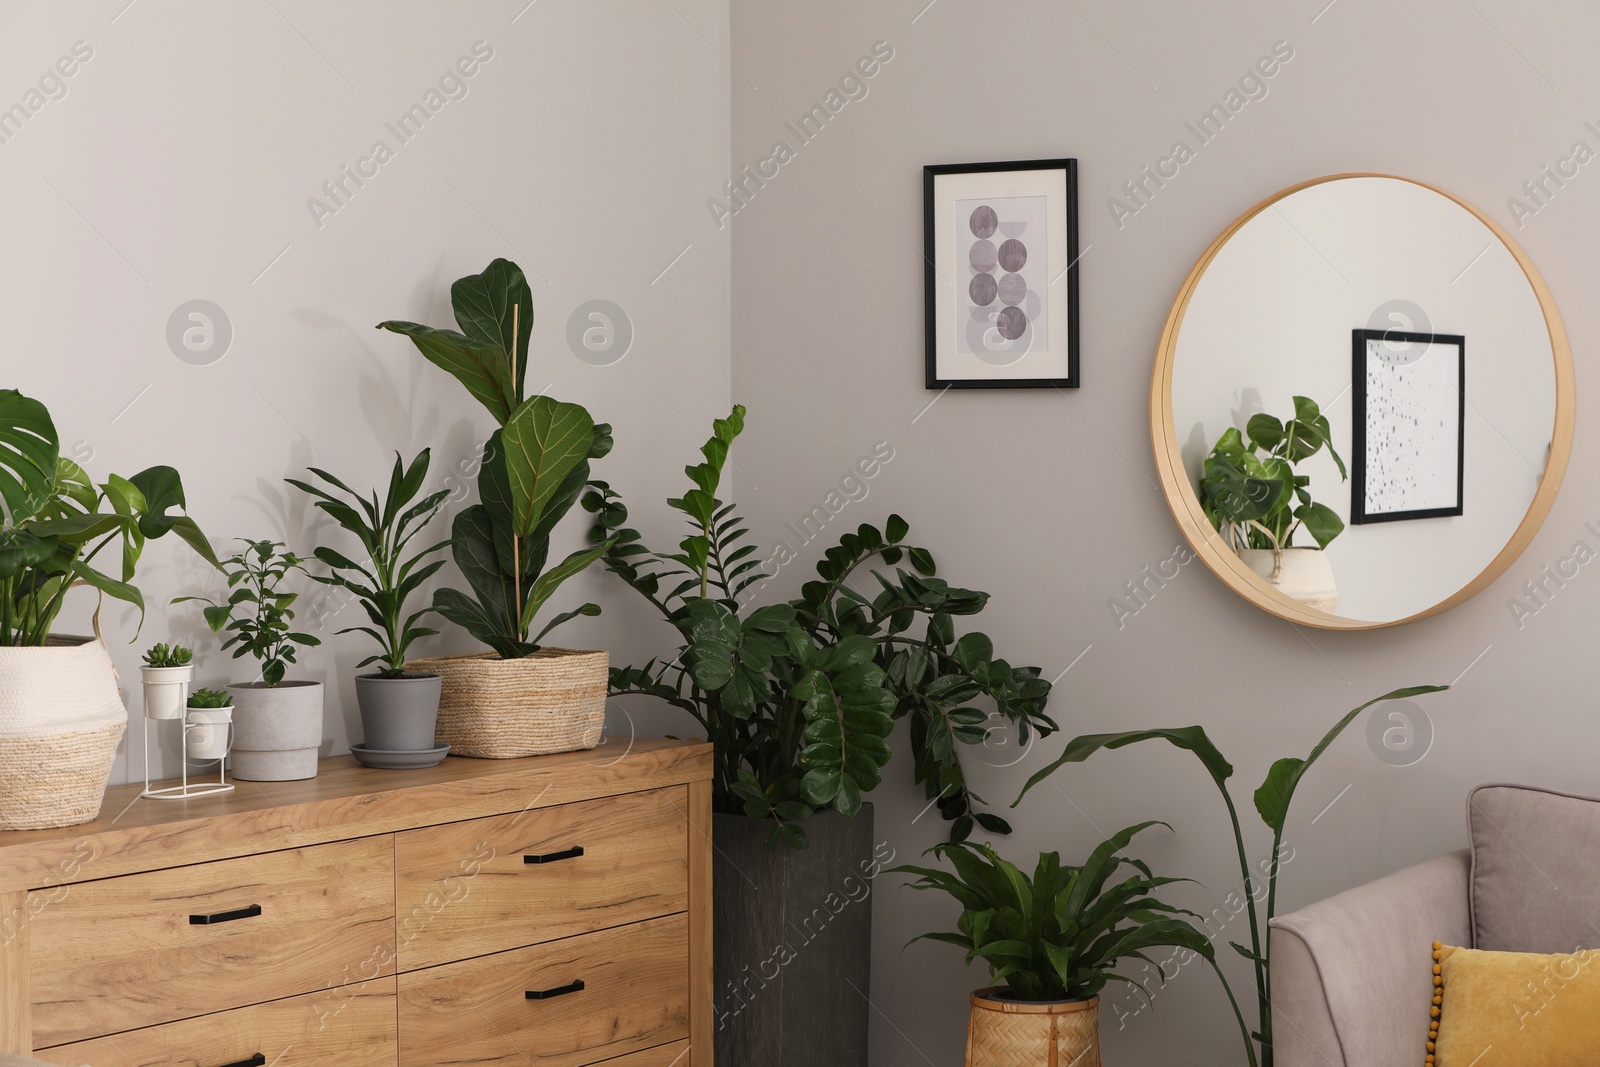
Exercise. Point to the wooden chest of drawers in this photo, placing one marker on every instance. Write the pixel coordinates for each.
(552, 911)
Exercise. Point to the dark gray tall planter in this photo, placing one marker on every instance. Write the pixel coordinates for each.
(793, 934)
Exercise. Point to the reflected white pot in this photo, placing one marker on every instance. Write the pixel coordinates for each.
(1303, 574)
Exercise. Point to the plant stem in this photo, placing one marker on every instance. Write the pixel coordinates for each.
(1263, 1006)
(1244, 1031)
(517, 626)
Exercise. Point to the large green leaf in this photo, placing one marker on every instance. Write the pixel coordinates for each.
(544, 439)
(546, 584)
(163, 491)
(20, 549)
(1190, 738)
(472, 536)
(483, 305)
(484, 369)
(1276, 793)
(28, 451)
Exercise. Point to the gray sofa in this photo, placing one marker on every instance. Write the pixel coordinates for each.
(1352, 975)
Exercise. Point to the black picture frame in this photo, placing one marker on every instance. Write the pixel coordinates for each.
(1360, 424)
(930, 176)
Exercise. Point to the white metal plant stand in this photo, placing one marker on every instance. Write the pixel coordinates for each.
(187, 789)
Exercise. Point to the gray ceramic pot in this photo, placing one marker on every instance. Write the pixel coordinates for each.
(398, 714)
(276, 730)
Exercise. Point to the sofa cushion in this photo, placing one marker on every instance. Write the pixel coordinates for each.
(1515, 1009)
(1535, 866)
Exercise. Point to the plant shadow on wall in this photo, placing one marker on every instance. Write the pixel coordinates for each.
(799, 698)
(1272, 800)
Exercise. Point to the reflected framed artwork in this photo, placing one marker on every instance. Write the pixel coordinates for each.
(1000, 245)
(1409, 435)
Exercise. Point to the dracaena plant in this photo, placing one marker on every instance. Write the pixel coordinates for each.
(55, 524)
(1060, 934)
(259, 613)
(386, 577)
(799, 698)
(535, 466)
(1250, 491)
(1272, 802)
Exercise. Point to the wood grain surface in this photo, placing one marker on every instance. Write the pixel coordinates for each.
(357, 1030)
(121, 954)
(344, 801)
(465, 889)
(635, 997)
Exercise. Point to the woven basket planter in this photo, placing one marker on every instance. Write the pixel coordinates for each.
(1015, 1033)
(61, 719)
(493, 708)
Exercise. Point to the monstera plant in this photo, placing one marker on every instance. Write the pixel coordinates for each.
(59, 530)
(534, 467)
(58, 524)
(1250, 490)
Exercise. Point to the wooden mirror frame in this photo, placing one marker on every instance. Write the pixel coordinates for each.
(1185, 503)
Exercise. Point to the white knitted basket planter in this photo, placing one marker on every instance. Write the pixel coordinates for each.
(61, 719)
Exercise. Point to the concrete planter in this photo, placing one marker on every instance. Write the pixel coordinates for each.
(277, 730)
(793, 951)
(398, 714)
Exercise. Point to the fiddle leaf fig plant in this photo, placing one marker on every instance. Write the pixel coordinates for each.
(55, 523)
(535, 466)
(799, 698)
(1250, 491)
(1272, 800)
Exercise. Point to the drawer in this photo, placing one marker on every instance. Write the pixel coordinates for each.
(128, 952)
(467, 889)
(634, 996)
(348, 1027)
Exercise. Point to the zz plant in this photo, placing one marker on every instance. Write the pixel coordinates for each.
(1060, 934)
(535, 466)
(1272, 800)
(387, 576)
(55, 524)
(1250, 491)
(258, 614)
(799, 698)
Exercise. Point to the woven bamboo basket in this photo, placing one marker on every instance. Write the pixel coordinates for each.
(493, 708)
(61, 719)
(1015, 1033)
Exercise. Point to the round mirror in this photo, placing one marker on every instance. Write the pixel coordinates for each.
(1362, 404)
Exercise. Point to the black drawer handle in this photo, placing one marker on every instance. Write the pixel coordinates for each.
(558, 991)
(551, 857)
(227, 917)
(258, 1060)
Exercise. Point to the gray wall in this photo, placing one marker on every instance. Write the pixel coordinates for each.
(179, 164)
(1048, 500)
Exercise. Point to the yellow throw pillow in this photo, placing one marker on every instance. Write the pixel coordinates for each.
(1514, 1009)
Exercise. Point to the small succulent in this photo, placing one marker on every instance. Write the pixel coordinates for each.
(211, 698)
(162, 656)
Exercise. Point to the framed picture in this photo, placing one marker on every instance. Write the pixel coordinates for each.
(1409, 435)
(1000, 241)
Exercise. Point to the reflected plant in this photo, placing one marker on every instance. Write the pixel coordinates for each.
(1250, 491)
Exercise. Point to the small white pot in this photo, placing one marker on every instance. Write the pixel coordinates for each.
(206, 737)
(166, 691)
(1301, 573)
